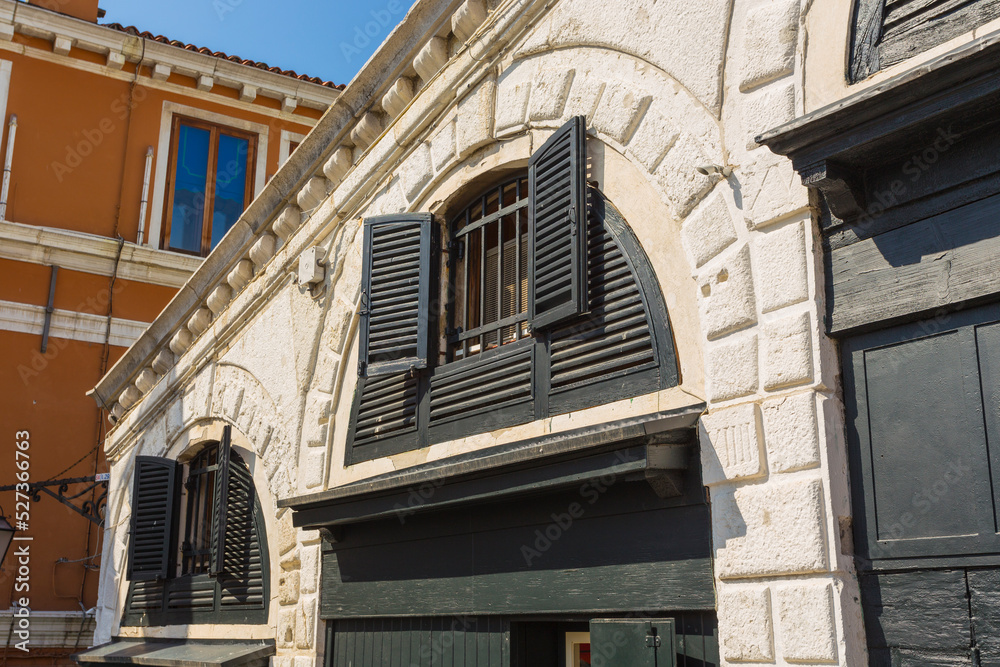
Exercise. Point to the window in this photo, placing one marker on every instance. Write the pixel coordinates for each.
(209, 184)
(489, 271)
(197, 550)
(543, 311)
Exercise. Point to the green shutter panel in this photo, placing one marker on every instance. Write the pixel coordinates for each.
(240, 557)
(630, 642)
(557, 175)
(396, 284)
(221, 499)
(154, 497)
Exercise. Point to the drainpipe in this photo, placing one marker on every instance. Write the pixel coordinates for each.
(145, 194)
(11, 132)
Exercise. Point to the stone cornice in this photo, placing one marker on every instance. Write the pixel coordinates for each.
(119, 47)
(88, 253)
(326, 179)
(68, 324)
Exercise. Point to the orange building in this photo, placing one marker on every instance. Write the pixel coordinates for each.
(126, 157)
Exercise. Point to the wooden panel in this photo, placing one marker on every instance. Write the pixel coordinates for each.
(630, 642)
(938, 262)
(521, 557)
(917, 610)
(920, 456)
(409, 642)
(984, 605)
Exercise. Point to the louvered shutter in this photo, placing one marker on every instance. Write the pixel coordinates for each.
(558, 213)
(221, 496)
(237, 544)
(396, 294)
(153, 513)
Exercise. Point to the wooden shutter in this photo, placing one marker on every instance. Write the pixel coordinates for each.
(153, 510)
(239, 549)
(221, 499)
(557, 228)
(396, 283)
(630, 642)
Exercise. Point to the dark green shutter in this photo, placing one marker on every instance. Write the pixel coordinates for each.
(396, 284)
(631, 642)
(221, 499)
(557, 288)
(240, 556)
(153, 509)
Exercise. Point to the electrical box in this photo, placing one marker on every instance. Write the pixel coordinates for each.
(311, 270)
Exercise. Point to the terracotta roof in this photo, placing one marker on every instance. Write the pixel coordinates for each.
(132, 30)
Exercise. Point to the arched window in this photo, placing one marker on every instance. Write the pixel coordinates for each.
(198, 550)
(537, 301)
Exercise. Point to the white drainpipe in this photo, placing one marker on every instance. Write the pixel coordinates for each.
(11, 133)
(145, 194)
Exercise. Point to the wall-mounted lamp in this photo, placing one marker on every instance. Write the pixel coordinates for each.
(714, 170)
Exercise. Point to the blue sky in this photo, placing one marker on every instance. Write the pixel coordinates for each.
(331, 39)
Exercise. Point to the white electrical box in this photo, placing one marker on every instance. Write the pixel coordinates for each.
(311, 269)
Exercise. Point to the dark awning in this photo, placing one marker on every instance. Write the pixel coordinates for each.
(655, 446)
(179, 652)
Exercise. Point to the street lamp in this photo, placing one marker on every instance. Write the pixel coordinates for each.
(6, 535)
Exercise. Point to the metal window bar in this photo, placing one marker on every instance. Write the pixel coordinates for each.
(494, 326)
(200, 485)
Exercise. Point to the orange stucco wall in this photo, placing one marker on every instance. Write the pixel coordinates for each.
(78, 165)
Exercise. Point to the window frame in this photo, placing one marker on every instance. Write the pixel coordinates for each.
(216, 130)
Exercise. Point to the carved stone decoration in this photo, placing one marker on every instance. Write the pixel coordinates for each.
(338, 164)
(163, 361)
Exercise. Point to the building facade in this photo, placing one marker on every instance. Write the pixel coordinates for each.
(587, 337)
(92, 246)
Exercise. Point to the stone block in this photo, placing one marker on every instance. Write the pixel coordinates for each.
(62, 45)
(769, 41)
(731, 444)
(788, 359)
(619, 110)
(205, 83)
(766, 109)
(727, 298)
(745, 626)
(474, 122)
(431, 58)
(416, 171)
(709, 230)
(286, 533)
(248, 93)
(199, 321)
(161, 72)
(772, 190)
(289, 103)
(398, 96)
(116, 59)
(513, 90)
(782, 271)
(791, 432)
(309, 570)
(288, 587)
(286, 628)
(655, 136)
(678, 177)
(548, 98)
(304, 661)
(290, 561)
(443, 145)
(130, 396)
(807, 631)
(312, 467)
(467, 19)
(732, 368)
(583, 97)
(769, 529)
(305, 624)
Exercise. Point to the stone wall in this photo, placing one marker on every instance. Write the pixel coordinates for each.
(666, 87)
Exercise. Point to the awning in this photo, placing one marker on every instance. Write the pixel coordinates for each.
(656, 446)
(179, 652)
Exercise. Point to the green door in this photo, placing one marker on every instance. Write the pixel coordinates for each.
(630, 642)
